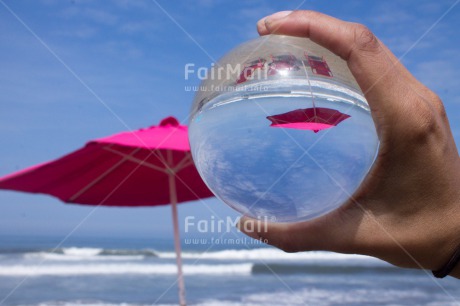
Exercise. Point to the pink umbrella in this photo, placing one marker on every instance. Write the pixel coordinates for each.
(319, 65)
(250, 69)
(314, 119)
(148, 167)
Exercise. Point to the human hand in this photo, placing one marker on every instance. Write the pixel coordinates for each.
(406, 212)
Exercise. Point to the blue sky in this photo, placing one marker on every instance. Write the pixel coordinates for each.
(71, 71)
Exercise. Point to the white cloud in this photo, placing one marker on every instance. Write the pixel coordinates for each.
(247, 17)
(391, 16)
(440, 74)
(94, 14)
(84, 31)
(101, 16)
(206, 3)
(402, 26)
(136, 4)
(436, 7)
(136, 26)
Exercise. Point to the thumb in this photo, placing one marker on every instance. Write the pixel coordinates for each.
(332, 232)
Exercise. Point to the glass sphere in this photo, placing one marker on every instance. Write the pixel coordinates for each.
(281, 131)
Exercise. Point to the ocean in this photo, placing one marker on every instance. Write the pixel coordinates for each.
(135, 271)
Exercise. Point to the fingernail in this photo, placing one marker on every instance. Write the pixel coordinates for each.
(276, 16)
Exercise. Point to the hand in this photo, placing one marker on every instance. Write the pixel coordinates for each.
(407, 211)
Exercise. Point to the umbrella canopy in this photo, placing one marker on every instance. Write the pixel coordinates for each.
(314, 119)
(126, 169)
(147, 167)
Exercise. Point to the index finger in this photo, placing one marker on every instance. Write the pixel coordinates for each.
(384, 80)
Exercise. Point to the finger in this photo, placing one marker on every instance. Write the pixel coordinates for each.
(381, 78)
(262, 29)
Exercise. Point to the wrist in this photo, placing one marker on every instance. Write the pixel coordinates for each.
(448, 262)
(456, 272)
(449, 267)
(450, 256)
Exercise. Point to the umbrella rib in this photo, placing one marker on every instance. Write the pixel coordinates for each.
(161, 158)
(184, 163)
(103, 175)
(136, 160)
(309, 86)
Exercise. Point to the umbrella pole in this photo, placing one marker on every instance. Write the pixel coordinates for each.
(180, 275)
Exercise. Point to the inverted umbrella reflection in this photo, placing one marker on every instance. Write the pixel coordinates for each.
(314, 119)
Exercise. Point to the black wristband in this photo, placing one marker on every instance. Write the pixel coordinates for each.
(444, 271)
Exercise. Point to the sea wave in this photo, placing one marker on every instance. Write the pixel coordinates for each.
(168, 268)
(189, 269)
(352, 296)
(114, 269)
(255, 255)
(76, 254)
(88, 303)
(309, 296)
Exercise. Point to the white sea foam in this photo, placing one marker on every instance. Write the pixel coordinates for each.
(265, 254)
(74, 251)
(63, 257)
(113, 269)
(90, 254)
(87, 303)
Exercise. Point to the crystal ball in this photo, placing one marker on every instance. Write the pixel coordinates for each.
(281, 131)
